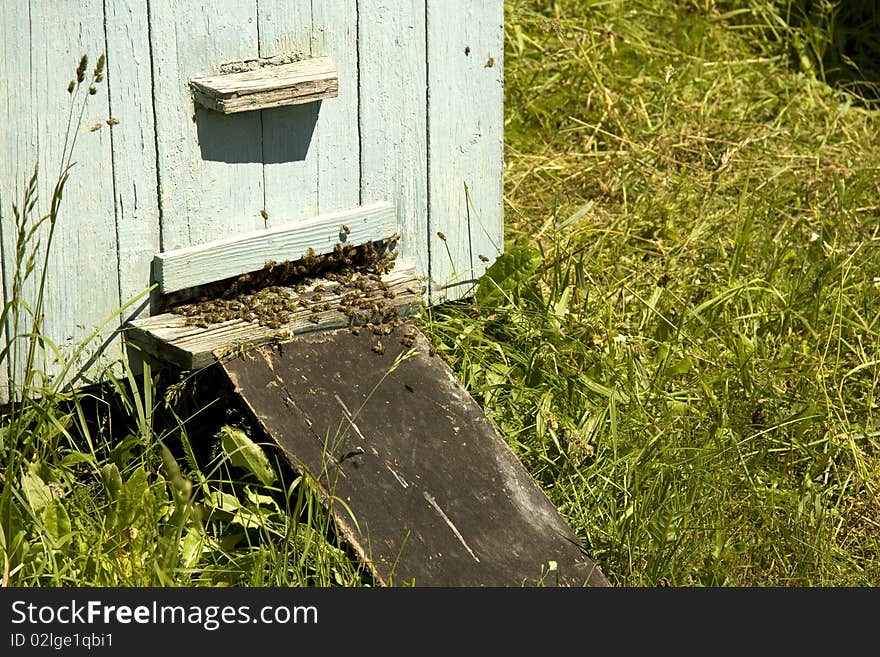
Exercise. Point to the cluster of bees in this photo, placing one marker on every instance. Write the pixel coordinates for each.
(348, 281)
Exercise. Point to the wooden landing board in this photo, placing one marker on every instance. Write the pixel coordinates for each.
(169, 338)
(437, 496)
(271, 86)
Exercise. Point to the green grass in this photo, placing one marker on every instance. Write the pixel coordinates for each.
(680, 342)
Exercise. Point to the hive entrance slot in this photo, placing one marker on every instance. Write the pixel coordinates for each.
(373, 293)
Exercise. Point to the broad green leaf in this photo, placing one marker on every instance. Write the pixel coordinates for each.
(245, 453)
(38, 494)
(507, 276)
(75, 458)
(191, 546)
(223, 501)
(259, 499)
(250, 518)
(137, 484)
(56, 521)
(112, 480)
(682, 366)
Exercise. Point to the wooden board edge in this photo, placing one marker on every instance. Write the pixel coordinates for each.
(217, 260)
(267, 100)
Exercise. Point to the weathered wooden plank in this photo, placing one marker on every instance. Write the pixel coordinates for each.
(133, 139)
(290, 149)
(211, 173)
(296, 83)
(169, 338)
(82, 278)
(436, 496)
(18, 139)
(393, 120)
(213, 261)
(334, 33)
(465, 141)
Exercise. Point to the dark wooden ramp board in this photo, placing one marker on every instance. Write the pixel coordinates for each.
(437, 496)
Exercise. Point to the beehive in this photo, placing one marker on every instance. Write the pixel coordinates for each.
(374, 103)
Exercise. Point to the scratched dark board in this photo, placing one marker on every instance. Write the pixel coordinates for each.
(438, 497)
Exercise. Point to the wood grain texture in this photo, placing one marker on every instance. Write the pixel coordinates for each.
(414, 122)
(211, 175)
(393, 97)
(281, 85)
(133, 139)
(334, 34)
(83, 287)
(168, 338)
(290, 149)
(214, 261)
(465, 141)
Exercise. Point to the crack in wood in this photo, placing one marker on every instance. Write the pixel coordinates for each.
(430, 499)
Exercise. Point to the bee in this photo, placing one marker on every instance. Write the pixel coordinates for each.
(264, 214)
(407, 341)
(314, 318)
(483, 258)
(389, 294)
(346, 229)
(489, 63)
(354, 330)
(270, 264)
(379, 348)
(441, 235)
